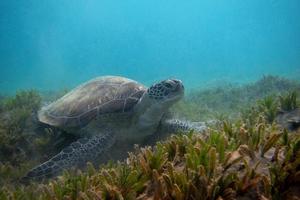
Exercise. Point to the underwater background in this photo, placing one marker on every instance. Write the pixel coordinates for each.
(49, 45)
(238, 59)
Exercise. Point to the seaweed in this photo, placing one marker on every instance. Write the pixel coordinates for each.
(30, 100)
(228, 99)
(244, 156)
(234, 161)
(17, 134)
(288, 101)
(269, 107)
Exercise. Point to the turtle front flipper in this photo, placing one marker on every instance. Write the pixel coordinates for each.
(174, 126)
(179, 126)
(76, 154)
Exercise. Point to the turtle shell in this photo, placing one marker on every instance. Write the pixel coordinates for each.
(99, 96)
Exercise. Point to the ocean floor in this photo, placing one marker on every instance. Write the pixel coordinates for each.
(252, 151)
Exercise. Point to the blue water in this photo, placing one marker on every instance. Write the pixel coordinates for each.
(54, 44)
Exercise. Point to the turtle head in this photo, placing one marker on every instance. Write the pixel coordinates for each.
(156, 102)
(166, 92)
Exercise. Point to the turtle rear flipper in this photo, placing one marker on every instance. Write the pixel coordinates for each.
(76, 154)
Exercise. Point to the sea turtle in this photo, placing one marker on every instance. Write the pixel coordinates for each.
(109, 111)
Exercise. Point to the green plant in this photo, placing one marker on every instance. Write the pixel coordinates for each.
(17, 134)
(244, 156)
(122, 182)
(288, 102)
(268, 106)
(24, 99)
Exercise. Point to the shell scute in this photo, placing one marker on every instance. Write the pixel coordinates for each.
(103, 95)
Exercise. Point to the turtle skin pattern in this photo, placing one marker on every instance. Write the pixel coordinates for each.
(176, 125)
(78, 153)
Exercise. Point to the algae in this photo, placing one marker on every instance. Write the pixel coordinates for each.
(246, 155)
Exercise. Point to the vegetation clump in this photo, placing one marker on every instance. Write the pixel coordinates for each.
(231, 161)
(228, 100)
(288, 102)
(250, 156)
(17, 134)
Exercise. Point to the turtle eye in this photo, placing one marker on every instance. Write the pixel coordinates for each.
(168, 85)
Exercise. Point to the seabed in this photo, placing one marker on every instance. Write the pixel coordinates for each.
(252, 152)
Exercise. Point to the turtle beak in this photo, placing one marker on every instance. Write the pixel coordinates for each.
(179, 86)
(177, 89)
